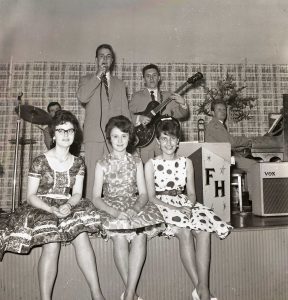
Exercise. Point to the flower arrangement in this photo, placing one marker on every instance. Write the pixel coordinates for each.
(226, 90)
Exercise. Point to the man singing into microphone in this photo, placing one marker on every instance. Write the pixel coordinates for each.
(104, 96)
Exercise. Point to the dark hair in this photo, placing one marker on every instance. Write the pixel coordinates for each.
(64, 116)
(169, 126)
(52, 104)
(150, 66)
(122, 123)
(109, 47)
(216, 102)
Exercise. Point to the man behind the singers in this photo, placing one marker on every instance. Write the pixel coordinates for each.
(177, 108)
(216, 132)
(103, 97)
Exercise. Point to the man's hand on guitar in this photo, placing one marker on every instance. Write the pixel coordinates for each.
(178, 99)
(144, 120)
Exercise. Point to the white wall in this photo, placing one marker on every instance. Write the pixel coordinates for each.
(206, 31)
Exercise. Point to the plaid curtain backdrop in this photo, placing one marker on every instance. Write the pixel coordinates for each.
(43, 82)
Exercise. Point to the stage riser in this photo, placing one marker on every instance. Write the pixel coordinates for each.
(247, 265)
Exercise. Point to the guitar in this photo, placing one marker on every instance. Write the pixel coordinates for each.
(145, 133)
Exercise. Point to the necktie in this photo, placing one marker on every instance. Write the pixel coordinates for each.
(105, 82)
(152, 96)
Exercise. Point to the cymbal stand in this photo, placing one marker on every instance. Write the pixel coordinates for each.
(16, 152)
(31, 145)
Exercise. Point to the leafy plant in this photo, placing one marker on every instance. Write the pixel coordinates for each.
(227, 91)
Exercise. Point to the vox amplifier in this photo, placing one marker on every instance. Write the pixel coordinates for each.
(270, 189)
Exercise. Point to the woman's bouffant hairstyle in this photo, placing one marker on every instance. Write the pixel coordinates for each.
(122, 123)
(169, 126)
(62, 117)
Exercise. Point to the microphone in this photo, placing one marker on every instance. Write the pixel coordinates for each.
(105, 82)
(104, 70)
(20, 96)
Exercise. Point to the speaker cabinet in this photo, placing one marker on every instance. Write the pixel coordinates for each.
(270, 189)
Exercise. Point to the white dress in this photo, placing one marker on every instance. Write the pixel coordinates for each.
(171, 175)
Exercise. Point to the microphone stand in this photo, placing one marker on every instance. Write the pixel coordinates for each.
(16, 151)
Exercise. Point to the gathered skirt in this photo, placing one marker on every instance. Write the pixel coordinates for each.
(149, 221)
(201, 217)
(28, 226)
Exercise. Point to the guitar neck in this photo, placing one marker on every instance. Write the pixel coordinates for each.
(157, 109)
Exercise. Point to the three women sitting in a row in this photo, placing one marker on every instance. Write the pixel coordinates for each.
(125, 208)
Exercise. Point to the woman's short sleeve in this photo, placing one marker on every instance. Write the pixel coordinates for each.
(81, 171)
(36, 168)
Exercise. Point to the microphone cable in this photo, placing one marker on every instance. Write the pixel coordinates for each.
(101, 116)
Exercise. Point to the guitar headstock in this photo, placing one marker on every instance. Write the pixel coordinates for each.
(196, 77)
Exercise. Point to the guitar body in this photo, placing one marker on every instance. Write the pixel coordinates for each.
(145, 133)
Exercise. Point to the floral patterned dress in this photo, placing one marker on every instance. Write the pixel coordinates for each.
(120, 192)
(171, 175)
(29, 226)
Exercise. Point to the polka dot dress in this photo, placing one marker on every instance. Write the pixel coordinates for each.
(171, 175)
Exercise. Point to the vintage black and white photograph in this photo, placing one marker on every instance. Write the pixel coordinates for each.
(143, 150)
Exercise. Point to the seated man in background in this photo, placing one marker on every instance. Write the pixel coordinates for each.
(216, 132)
(51, 108)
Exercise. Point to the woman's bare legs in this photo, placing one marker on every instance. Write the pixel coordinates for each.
(196, 264)
(86, 260)
(47, 269)
(129, 262)
(137, 258)
(187, 253)
(203, 255)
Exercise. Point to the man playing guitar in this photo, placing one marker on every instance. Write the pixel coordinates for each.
(177, 108)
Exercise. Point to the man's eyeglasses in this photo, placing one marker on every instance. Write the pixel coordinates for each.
(63, 131)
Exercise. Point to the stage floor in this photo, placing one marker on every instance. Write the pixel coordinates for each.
(251, 263)
(247, 220)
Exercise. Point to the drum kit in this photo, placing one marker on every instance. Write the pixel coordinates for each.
(35, 116)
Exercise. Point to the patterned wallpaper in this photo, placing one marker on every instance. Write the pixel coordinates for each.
(43, 82)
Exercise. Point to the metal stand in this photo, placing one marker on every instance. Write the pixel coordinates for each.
(16, 156)
(201, 130)
(285, 129)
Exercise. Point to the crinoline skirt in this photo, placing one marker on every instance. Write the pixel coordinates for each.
(201, 217)
(28, 226)
(149, 221)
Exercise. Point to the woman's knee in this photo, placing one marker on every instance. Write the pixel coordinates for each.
(183, 233)
(201, 234)
(119, 241)
(51, 248)
(140, 238)
(80, 238)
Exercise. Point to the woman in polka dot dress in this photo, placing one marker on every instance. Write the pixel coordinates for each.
(167, 175)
